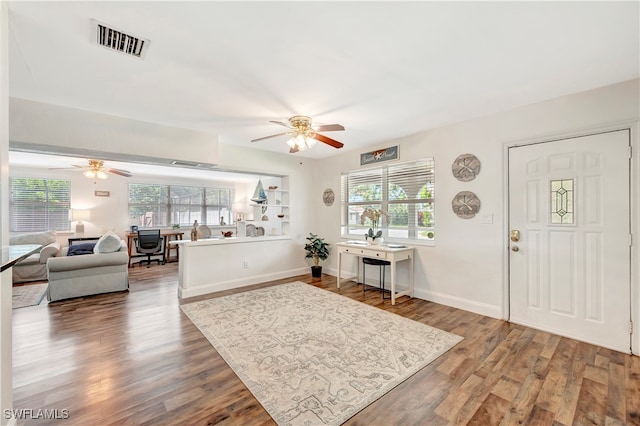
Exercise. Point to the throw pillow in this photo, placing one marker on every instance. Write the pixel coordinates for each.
(108, 243)
(80, 249)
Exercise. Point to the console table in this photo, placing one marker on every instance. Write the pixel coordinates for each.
(393, 253)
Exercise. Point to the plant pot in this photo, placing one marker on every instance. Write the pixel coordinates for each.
(374, 241)
(316, 271)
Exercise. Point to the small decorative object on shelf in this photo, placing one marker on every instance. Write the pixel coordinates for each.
(222, 222)
(273, 187)
(374, 236)
(194, 231)
(280, 216)
(227, 234)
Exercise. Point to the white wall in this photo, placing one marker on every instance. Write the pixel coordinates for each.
(62, 127)
(466, 267)
(6, 353)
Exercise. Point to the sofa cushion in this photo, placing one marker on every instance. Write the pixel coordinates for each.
(80, 249)
(108, 243)
(42, 238)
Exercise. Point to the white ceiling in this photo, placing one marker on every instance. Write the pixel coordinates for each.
(381, 69)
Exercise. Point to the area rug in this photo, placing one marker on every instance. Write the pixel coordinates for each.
(313, 357)
(28, 295)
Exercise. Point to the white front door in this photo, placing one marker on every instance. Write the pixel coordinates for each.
(569, 268)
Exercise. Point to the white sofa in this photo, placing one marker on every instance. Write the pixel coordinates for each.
(77, 276)
(34, 267)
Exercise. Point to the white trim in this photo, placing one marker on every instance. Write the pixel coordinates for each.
(485, 309)
(242, 282)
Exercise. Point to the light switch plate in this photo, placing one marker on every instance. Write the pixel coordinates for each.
(487, 218)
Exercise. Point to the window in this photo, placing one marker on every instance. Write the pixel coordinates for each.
(153, 205)
(405, 191)
(39, 204)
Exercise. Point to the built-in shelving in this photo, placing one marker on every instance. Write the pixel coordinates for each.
(273, 215)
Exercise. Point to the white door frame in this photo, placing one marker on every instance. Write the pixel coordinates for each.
(634, 203)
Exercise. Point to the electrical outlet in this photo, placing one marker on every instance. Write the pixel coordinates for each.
(246, 264)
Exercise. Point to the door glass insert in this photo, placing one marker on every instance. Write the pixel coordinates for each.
(562, 202)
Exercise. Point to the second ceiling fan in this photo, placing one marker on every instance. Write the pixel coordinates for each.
(304, 135)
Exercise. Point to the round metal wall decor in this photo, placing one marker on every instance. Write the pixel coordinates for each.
(466, 167)
(328, 197)
(465, 204)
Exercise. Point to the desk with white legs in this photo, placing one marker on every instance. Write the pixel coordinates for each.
(393, 254)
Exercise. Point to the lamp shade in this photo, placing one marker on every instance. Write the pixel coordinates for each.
(80, 214)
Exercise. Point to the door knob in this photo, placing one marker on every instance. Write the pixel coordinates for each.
(515, 235)
(515, 248)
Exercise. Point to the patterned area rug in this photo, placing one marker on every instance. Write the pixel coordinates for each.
(28, 294)
(311, 356)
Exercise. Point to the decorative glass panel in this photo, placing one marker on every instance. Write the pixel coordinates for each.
(562, 202)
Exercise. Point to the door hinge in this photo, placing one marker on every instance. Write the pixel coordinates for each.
(630, 151)
(630, 327)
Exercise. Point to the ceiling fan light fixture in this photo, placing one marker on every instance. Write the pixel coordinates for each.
(95, 174)
(301, 142)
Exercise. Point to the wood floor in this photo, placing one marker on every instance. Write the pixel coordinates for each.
(135, 359)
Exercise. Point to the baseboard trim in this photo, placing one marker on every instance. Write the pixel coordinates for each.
(443, 299)
(237, 283)
(460, 303)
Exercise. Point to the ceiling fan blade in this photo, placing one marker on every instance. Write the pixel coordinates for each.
(120, 172)
(272, 136)
(281, 123)
(328, 127)
(334, 143)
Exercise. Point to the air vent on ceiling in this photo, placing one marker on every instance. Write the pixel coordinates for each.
(181, 163)
(119, 41)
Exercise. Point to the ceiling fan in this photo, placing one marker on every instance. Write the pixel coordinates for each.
(304, 135)
(97, 170)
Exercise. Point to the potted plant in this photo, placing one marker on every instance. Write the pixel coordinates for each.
(373, 236)
(317, 249)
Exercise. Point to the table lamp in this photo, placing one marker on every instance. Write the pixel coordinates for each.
(79, 215)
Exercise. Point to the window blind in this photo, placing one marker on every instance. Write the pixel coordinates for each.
(153, 205)
(38, 204)
(406, 191)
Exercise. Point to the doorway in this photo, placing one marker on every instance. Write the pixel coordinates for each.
(570, 237)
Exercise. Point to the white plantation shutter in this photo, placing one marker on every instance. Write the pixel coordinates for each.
(37, 204)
